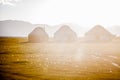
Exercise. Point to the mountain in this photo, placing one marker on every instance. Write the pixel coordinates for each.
(15, 28)
(23, 28)
(115, 29)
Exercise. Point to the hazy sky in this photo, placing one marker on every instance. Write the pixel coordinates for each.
(85, 13)
(82, 12)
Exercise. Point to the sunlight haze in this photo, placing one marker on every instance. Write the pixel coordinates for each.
(85, 13)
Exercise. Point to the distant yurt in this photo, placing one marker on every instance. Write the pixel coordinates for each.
(98, 34)
(65, 34)
(38, 35)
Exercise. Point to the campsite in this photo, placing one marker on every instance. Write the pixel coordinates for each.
(59, 39)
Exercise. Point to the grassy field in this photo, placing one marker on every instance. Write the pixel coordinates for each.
(20, 60)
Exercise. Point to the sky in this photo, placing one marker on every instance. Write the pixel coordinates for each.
(85, 13)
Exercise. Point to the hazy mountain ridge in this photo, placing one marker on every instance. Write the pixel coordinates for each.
(15, 27)
(115, 29)
(23, 28)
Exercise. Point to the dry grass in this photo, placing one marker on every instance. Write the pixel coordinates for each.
(58, 61)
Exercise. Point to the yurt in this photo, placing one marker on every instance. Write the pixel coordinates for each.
(38, 35)
(98, 33)
(65, 34)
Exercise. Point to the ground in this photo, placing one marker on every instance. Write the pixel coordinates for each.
(20, 60)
